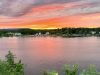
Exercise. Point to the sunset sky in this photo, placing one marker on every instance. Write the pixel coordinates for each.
(49, 13)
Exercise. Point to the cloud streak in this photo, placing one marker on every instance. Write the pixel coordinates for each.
(49, 13)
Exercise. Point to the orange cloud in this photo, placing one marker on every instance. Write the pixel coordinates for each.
(51, 16)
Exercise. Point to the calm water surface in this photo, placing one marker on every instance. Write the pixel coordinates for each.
(49, 53)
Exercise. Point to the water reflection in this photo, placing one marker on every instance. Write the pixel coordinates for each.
(42, 53)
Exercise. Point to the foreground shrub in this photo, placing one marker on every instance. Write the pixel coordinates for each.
(90, 71)
(10, 67)
(51, 73)
(73, 70)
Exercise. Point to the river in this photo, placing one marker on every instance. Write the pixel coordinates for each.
(51, 53)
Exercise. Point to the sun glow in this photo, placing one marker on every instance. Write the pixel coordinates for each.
(45, 28)
(92, 27)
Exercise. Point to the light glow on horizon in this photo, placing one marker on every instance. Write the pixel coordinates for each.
(50, 14)
(45, 28)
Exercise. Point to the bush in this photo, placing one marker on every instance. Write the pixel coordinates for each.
(51, 73)
(10, 67)
(73, 70)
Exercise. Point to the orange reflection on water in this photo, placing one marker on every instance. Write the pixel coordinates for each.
(45, 49)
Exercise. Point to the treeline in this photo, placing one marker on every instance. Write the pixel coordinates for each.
(55, 32)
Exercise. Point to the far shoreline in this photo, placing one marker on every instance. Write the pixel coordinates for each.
(64, 32)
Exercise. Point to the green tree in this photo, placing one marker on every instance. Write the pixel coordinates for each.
(10, 67)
